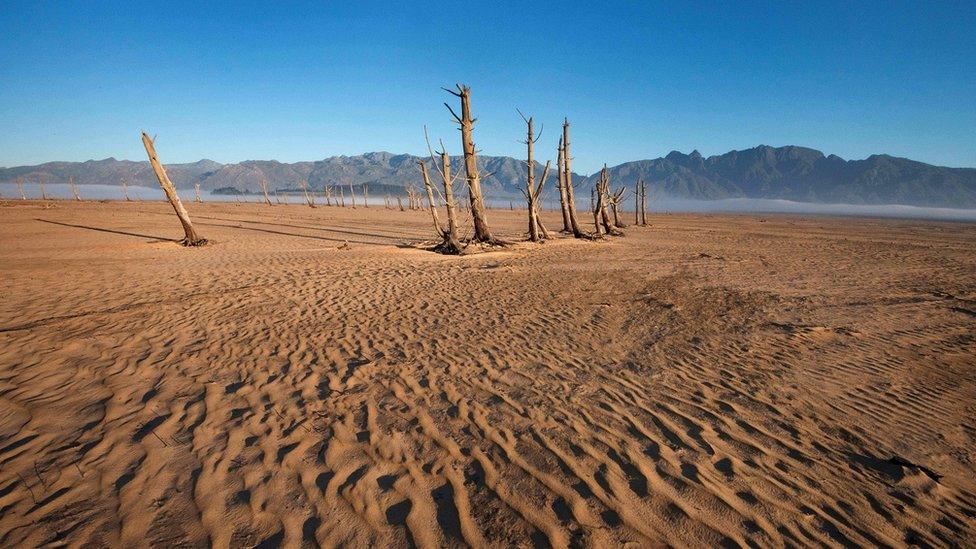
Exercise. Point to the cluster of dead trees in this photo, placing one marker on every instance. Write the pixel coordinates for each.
(605, 203)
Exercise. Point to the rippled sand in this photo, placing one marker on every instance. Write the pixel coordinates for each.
(706, 381)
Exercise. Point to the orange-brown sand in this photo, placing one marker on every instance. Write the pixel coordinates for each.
(705, 381)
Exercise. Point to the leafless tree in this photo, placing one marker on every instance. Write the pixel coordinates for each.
(533, 193)
(309, 199)
(191, 237)
(264, 188)
(352, 196)
(20, 187)
(568, 175)
(40, 183)
(482, 233)
(365, 195)
(74, 188)
(563, 203)
(616, 200)
(125, 189)
(196, 188)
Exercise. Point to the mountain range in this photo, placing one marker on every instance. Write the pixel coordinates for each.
(790, 172)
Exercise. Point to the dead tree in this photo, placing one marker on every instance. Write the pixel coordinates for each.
(40, 183)
(125, 190)
(191, 237)
(309, 199)
(264, 188)
(400, 203)
(365, 196)
(328, 194)
(568, 175)
(277, 198)
(603, 197)
(20, 187)
(196, 188)
(532, 192)
(482, 233)
(615, 202)
(352, 196)
(430, 198)
(563, 205)
(637, 198)
(74, 188)
(643, 204)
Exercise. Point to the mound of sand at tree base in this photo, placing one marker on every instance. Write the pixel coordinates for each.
(707, 381)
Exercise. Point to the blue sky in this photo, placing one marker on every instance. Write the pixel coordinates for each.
(303, 81)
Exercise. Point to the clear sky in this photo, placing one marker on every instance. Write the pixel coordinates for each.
(303, 81)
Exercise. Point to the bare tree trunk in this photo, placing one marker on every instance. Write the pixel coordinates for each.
(563, 205)
(352, 196)
(264, 189)
(196, 188)
(125, 190)
(309, 199)
(342, 197)
(20, 187)
(604, 197)
(615, 204)
(482, 233)
(400, 202)
(74, 188)
(192, 239)
(531, 192)
(277, 198)
(637, 196)
(40, 183)
(568, 175)
(430, 198)
(643, 204)
(365, 196)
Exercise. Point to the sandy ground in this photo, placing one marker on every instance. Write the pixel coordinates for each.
(706, 381)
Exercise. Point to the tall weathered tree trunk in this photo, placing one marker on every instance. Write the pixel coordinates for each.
(643, 204)
(568, 175)
(40, 183)
(309, 198)
(264, 189)
(604, 193)
(531, 196)
(196, 188)
(352, 195)
(20, 187)
(563, 206)
(637, 196)
(482, 233)
(430, 198)
(125, 190)
(74, 188)
(192, 238)
(365, 196)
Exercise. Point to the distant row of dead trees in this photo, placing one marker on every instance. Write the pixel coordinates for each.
(605, 202)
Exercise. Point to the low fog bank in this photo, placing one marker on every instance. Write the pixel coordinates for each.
(762, 205)
(730, 205)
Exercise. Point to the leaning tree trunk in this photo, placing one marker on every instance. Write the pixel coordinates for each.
(20, 187)
(430, 198)
(74, 188)
(264, 189)
(568, 178)
(192, 238)
(482, 233)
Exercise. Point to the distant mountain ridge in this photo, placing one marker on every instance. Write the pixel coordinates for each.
(790, 172)
(801, 174)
